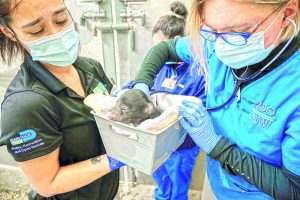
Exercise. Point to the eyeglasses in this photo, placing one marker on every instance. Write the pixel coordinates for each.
(235, 39)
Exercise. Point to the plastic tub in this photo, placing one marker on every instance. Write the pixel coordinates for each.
(142, 150)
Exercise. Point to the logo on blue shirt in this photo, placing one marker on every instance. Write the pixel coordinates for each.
(25, 136)
(263, 115)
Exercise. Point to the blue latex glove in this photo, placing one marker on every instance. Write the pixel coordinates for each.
(115, 93)
(118, 93)
(143, 87)
(197, 123)
(114, 164)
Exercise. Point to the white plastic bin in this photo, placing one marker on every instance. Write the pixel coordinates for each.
(143, 150)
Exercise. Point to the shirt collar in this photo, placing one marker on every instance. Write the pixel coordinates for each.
(85, 70)
(44, 76)
(182, 68)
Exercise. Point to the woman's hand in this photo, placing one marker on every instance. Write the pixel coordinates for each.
(143, 87)
(132, 85)
(197, 123)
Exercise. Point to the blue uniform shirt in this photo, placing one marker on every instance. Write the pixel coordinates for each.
(181, 80)
(264, 122)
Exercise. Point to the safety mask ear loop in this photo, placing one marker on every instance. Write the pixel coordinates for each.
(294, 25)
(20, 41)
(285, 46)
(15, 35)
(273, 22)
(279, 34)
(10, 30)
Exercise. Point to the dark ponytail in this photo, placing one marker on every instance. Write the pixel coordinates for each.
(172, 24)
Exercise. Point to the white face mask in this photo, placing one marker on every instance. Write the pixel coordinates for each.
(252, 52)
(60, 49)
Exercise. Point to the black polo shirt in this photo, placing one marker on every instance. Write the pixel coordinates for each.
(40, 113)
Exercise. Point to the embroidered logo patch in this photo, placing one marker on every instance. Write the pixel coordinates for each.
(100, 88)
(24, 136)
(263, 115)
(26, 141)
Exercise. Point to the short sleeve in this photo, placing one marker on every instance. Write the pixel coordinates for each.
(291, 144)
(183, 50)
(29, 126)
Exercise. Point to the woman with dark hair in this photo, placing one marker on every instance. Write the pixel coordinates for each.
(174, 176)
(171, 25)
(44, 123)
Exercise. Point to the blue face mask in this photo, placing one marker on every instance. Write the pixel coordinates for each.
(60, 49)
(252, 52)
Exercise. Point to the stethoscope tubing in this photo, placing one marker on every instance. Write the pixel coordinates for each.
(239, 80)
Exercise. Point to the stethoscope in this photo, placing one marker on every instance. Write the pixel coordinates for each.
(237, 83)
(240, 80)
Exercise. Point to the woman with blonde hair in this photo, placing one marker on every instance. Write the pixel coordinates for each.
(249, 127)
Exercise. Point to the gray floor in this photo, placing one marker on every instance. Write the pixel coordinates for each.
(5, 157)
(14, 186)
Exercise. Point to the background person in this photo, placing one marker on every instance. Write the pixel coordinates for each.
(175, 78)
(174, 176)
(44, 123)
(251, 130)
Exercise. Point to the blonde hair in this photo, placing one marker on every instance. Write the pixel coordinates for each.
(195, 22)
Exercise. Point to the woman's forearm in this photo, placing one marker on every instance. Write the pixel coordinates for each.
(48, 178)
(74, 176)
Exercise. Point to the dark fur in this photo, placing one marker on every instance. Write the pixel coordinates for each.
(133, 107)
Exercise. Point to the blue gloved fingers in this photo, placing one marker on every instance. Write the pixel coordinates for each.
(114, 164)
(190, 115)
(115, 93)
(185, 125)
(118, 93)
(143, 87)
(197, 106)
(192, 111)
(202, 132)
